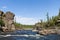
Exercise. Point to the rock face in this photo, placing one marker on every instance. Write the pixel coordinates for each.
(48, 31)
(8, 19)
(38, 26)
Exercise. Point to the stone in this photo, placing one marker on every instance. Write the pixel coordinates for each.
(1, 13)
(38, 26)
(8, 19)
(48, 31)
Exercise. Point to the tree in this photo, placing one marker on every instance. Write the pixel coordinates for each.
(47, 17)
(1, 23)
(47, 20)
(59, 12)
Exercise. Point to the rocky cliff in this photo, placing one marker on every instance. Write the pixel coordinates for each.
(8, 19)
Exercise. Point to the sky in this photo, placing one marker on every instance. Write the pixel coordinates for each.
(29, 12)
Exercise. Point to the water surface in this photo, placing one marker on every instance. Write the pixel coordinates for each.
(29, 35)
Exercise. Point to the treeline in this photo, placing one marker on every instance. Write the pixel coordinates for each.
(51, 22)
(21, 26)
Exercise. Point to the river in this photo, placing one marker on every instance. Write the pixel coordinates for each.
(29, 35)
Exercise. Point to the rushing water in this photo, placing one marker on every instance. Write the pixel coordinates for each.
(29, 35)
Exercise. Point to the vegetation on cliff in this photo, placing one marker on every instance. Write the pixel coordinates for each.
(2, 23)
(51, 22)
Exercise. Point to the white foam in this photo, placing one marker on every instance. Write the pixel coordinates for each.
(22, 35)
(34, 30)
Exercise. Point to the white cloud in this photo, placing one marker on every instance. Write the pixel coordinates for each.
(4, 7)
(26, 20)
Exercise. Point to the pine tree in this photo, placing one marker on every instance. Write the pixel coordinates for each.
(47, 17)
(59, 12)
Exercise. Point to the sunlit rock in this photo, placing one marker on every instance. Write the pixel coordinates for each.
(8, 19)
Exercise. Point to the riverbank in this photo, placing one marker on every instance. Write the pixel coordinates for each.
(41, 32)
(45, 31)
(49, 31)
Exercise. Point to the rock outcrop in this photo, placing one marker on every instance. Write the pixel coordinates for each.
(8, 19)
(38, 26)
(48, 31)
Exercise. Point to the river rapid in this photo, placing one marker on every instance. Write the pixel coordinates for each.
(28, 35)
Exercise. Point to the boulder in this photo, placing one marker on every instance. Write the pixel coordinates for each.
(8, 19)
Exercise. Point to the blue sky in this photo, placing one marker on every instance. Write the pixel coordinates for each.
(30, 11)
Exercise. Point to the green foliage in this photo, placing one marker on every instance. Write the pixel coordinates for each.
(51, 22)
(18, 25)
(27, 26)
(1, 23)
